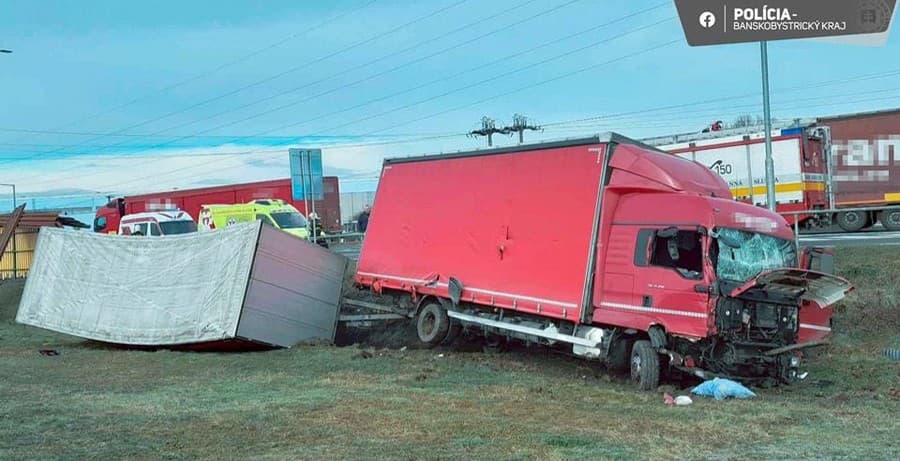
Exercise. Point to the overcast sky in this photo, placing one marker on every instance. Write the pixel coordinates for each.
(122, 97)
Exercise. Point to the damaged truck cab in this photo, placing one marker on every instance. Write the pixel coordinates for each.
(620, 252)
(715, 284)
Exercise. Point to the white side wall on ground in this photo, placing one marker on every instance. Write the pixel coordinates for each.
(177, 289)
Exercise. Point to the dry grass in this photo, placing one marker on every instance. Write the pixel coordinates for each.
(317, 402)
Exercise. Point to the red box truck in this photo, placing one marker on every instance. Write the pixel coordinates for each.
(191, 200)
(607, 246)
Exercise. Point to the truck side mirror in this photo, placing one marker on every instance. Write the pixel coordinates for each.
(818, 259)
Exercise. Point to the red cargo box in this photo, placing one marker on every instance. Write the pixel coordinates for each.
(523, 213)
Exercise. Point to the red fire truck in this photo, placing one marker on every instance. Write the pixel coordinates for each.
(609, 247)
(846, 163)
(191, 200)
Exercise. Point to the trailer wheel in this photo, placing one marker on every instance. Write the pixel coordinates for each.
(852, 221)
(617, 359)
(890, 219)
(644, 366)
(432, 324)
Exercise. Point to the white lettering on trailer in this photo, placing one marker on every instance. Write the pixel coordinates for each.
(472, 289)
(655, 310)
(853, 159)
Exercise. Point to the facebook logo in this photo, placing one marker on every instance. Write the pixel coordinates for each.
(707, 19)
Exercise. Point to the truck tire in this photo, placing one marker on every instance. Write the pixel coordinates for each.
(618, 358)
(852, 221)
(644, 366)
(890, 219)
(432, 324)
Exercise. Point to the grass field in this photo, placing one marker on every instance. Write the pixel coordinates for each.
(319, 402)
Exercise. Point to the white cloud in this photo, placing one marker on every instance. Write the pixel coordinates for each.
(358, 166)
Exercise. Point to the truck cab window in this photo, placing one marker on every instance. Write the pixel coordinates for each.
(681, 250)
(154, 229)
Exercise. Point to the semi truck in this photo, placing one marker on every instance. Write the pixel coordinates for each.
(604, 246)
(328, 209)
(846, 166)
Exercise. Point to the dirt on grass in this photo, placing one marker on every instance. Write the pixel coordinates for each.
(366, 402)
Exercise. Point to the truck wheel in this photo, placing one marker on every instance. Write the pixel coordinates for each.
(851, 221)
(890, 219)
(617, 359)
(644, 366)
(452, 333)
(432, 324)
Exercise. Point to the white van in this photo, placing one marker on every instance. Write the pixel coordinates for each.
(157, 223)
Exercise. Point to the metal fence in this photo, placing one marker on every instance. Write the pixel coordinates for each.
(17, 258)
(796, 214)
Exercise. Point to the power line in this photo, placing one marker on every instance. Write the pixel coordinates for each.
(559, 56)
(488, 129)
(293, 104)
(482, 66)
(674, 124)
(542, 82)
(558, 77)
(712, 111)
(814, 85)
(272, 77)
(730, 98)
(520, 125)
(219, 68)
(268, 153)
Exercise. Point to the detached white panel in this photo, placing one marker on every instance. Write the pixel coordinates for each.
(170, 290)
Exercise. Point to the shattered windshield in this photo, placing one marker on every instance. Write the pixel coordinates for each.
(743, 255)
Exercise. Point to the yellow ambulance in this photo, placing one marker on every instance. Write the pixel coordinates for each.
(274, 212)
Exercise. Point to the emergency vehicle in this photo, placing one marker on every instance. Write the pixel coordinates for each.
(157, 223)
(274, 212)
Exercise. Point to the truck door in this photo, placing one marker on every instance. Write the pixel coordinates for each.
(670, 281)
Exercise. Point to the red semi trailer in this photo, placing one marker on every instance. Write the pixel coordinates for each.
(605, 245)
(191, 200)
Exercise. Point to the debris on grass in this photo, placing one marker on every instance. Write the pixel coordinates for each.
(892, 354)
(721, 389)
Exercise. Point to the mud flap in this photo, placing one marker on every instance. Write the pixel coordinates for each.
(657, 337)
(454, 288)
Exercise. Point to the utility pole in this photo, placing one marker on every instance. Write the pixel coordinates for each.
(770, 165)
(520, 124)
(489, 129)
